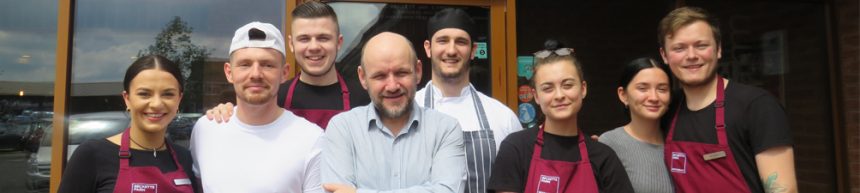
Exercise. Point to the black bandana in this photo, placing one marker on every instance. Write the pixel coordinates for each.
(451, 18)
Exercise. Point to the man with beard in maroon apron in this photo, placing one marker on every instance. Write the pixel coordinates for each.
(724, 136)
(318, 92)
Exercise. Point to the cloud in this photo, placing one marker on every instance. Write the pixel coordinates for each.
(108, 33)
(15, 46)
(102, 55)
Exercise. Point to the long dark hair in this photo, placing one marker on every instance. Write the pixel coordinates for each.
(634, 67)
(152, 62)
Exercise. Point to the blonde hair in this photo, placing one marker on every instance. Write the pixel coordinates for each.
(552, 45)
(683, 17)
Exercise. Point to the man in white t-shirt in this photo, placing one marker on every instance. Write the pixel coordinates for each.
(485, 121)
(263, 148)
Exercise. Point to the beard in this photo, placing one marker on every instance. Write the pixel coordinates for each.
(255, 98)
(450, 75)
(392, 113)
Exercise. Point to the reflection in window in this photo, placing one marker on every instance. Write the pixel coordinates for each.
(110, 35)
(27, 53)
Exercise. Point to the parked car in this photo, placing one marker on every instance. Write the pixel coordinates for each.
(181, 126)
(10, 137)
(82, 127)
(13, 133)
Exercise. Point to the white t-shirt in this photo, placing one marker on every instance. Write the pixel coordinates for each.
(502, 120)
(282, 156)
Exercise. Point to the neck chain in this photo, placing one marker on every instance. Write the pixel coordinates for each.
(146, 148)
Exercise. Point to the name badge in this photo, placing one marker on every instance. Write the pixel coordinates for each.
(183, 181)
(715, 155)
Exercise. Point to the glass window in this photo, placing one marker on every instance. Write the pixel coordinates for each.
(361, 21)
(27, 53)
(110, 35)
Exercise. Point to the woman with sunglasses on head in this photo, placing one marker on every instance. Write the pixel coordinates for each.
(645, 90)
(556, 156)
(140, 159)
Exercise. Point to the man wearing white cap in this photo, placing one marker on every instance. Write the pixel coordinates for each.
(319, 92)
(263, 148)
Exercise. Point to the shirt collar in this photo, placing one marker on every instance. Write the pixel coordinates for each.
(437, 93)
(375, 123)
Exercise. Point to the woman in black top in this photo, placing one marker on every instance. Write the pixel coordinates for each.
(140, 159)
(540, 159)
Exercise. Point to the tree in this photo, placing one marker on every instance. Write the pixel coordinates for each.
(174, 42)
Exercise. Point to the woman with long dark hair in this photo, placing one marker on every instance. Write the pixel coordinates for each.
(140, 159)
(645, 90)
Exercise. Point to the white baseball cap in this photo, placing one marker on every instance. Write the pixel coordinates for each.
(258, 35)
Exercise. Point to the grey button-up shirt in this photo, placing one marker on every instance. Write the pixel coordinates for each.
(426, 156)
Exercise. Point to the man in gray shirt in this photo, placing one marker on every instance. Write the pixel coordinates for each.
(392, 144)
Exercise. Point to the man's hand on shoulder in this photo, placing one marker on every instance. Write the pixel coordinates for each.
(338, 188)
(220, 113)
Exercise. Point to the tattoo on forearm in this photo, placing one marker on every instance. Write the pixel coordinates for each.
(770, 185)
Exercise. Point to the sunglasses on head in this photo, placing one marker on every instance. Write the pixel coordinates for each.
(559, 52)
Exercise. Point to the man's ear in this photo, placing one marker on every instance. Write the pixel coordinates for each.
(719, 51)
(663, 55)
(228, 72)
(427, 48)
(418, 71)
(290, 43)
(362, 77)
(474, 50)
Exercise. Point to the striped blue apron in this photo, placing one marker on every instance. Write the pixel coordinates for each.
(480, 145)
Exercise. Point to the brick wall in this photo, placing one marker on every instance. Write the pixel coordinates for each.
(847, 25)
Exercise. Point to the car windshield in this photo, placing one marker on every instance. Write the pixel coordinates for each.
(83, 129)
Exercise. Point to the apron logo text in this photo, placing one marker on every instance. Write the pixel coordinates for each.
(679, 162)
(141, 187)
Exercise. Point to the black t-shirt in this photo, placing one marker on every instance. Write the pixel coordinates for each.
(755, 121)
(95, 164)
(308, 96)
(510, 170)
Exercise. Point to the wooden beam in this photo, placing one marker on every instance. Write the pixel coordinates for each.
(498, 61)
(511, 54)
(289, 6)
(65, 16)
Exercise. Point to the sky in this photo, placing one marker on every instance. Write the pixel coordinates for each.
(108, 33)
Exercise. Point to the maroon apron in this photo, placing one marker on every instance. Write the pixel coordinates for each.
(552, 176)
(701, 167)
(318, 116)
(148, 178)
